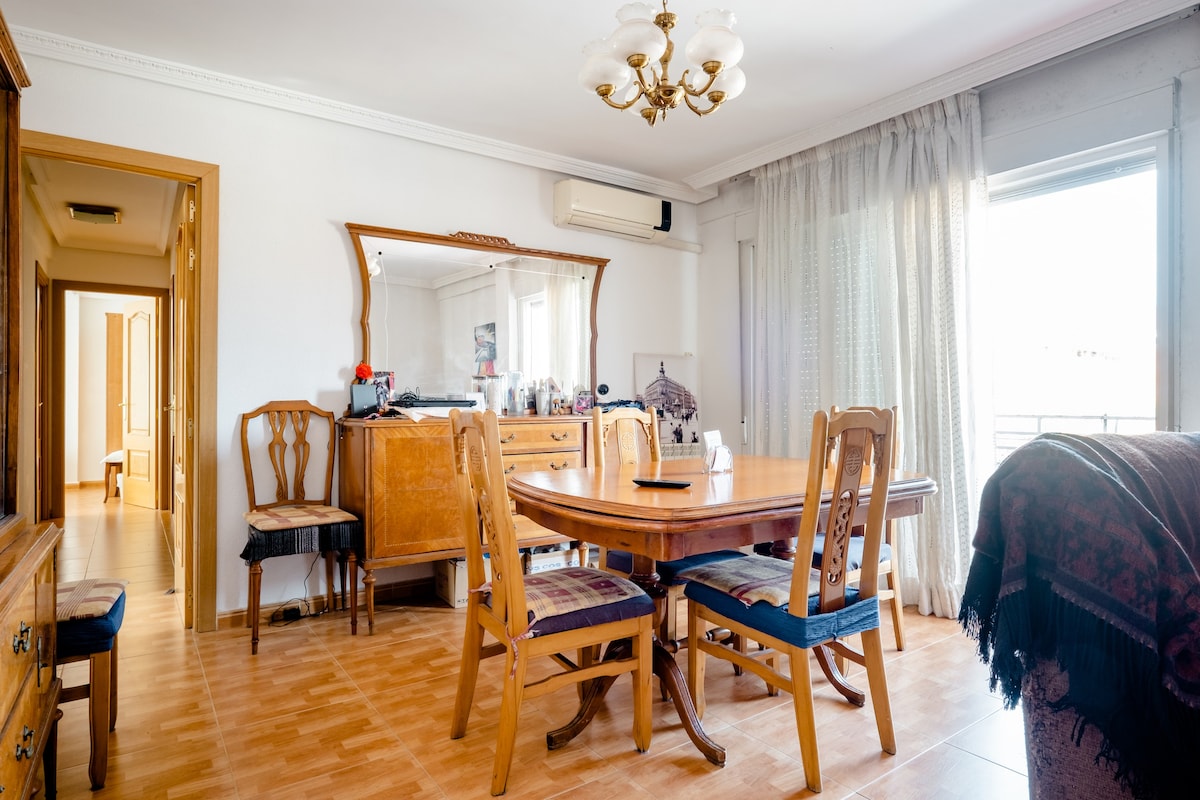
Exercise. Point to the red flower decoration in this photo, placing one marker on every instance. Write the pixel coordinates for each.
(363, 371)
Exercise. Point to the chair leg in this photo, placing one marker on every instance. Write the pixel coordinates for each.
(99, 695)
(642, 679)
(329, 556)
(252, 603)
(112, 686)
(897, 610)
(806, 725)
(696, 659)
(350, 565)
(468, 673)
(877, 680)
(510, 712)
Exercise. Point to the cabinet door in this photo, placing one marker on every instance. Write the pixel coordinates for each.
(413, 499)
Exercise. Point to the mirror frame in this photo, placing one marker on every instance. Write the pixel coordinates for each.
(466, 241)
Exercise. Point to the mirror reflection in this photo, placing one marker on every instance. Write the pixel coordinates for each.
(440, 312)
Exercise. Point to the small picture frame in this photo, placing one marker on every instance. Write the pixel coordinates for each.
(583, 403)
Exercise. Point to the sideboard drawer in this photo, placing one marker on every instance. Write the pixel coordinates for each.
(21, 741)
(535, 462)
(541, 437)
(18, 641)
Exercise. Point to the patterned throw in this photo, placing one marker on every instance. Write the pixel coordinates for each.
(561, 591)
(1087, 555)
(752, 579)
(89, 598)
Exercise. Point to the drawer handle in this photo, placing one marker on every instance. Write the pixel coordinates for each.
(558, 466)
(27, 750)
(21, 640)
(560, 437)
(512, 437)
(510, 468)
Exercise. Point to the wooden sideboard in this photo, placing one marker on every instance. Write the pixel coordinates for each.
(397, 476)
(29, 688)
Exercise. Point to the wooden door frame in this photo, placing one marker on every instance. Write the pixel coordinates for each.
(202, 483)
(57, 405)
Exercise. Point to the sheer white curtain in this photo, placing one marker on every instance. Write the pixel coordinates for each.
(860, 280)
(569, 308)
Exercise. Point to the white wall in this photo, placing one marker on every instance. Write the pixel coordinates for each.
(1050, 110)
(288, 294)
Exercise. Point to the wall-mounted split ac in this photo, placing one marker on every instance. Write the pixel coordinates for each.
(607, 209)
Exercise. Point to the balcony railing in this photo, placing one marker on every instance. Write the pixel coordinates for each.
(1014, 430)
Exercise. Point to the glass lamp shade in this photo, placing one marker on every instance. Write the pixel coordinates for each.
(715, 41)
(731, 81)
(601, 68)
(638, 36)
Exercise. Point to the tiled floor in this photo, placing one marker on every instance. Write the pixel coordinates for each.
(320, 714)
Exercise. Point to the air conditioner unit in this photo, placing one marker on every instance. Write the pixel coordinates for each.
(607, 209)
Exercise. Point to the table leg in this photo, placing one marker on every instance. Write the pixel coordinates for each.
(666, 669)
(835, 676)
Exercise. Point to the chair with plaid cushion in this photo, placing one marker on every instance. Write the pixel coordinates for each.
(295, 515)
(791, 608)
(555, 614)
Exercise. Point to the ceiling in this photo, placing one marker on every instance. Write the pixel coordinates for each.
(501, 78)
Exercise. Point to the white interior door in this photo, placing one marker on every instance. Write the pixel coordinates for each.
(140, 418)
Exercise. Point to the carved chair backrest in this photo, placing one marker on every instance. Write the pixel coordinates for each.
(634, 431)
(487, 515)
(297, 435)
(860, 440)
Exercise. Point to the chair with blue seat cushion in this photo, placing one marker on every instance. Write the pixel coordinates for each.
(89, 616)
(887, 566)
(791, 608)
(633, 433)
(550, 614)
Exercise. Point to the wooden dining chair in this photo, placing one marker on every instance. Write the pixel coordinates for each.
(791, 608)
(550, 614)
(290, 513)
(888, 563)
(633, 434)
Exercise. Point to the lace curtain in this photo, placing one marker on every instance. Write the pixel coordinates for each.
(860, 287)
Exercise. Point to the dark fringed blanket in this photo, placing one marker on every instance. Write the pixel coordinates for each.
(1086, 553)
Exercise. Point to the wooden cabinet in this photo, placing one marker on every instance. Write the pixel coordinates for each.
(397, 476)
(29, 689)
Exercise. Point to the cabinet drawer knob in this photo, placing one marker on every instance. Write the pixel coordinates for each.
(510, 468)
(512, 437)
(563, 465)
(560, 437)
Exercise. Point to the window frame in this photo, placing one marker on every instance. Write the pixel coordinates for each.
(1160, 151)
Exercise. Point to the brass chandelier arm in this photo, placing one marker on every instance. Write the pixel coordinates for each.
(713, 98)
(619, 106)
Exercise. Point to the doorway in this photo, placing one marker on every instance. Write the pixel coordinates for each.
(109, 394)
(192, 413)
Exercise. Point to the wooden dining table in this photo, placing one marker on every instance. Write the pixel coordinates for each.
(760, 500)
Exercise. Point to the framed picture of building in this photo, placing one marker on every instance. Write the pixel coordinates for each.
(669, 383)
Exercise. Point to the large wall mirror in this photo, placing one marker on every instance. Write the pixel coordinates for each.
(439, 310)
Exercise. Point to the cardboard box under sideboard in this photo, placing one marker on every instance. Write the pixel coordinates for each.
(450, 580)
(557, 559)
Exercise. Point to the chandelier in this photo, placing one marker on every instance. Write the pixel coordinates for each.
(622, 70)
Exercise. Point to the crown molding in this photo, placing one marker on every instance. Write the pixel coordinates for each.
(1089, 30)
(85, 54)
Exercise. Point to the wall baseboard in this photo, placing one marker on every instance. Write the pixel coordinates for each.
(398, 592)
